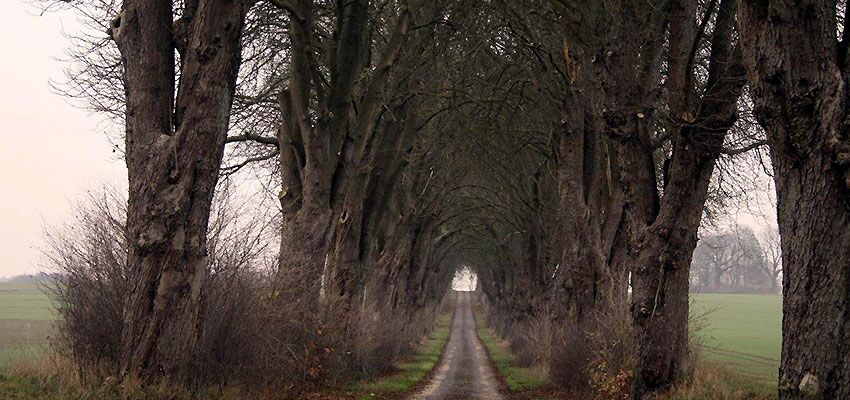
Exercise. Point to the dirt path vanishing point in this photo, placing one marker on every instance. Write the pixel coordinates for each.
(464, 373)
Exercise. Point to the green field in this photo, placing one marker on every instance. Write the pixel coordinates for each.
(25, 321)
(740, 330)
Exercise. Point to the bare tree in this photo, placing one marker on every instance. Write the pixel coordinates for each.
(557, 152)
(174, 146)
(772, 252)
(622, 44)
(731, 261)
(327, 159)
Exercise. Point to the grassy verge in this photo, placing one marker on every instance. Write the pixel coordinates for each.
(29, 371)
(518, 379)
(32, 388)
(709, 380)
(410, 372)
(50, 378)
(29, 388)
(712, 380)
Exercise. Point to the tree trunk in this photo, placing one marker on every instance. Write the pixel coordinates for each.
(661, 254)
(302, 258)
(798, 72)
(344, 281)
(172, 171)
(330, 135)
(773, 287)
(663, 229)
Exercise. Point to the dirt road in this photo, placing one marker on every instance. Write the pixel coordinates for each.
(464, 373)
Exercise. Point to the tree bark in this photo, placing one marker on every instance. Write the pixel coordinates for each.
(173, 159)
(590, 275)
(303, 253)
(798, 73)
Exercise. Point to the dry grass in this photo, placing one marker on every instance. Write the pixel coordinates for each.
(56, 378)
(714, 381)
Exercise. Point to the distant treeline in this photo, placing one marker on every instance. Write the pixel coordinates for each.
(737, 260)
(41, 277)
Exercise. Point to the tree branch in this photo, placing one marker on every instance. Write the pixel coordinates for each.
(234, 168)
(248, 137)
(741, 150)
(288, 7)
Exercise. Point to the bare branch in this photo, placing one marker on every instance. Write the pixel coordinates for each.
(249, 137)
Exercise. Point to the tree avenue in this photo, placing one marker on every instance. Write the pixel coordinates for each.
(565, 152)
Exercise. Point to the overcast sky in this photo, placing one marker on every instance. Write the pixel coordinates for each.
(50, 151)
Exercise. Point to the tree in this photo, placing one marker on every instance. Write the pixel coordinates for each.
(174, 147)
(622, 44)
(796, 59)
(714, 256)
(328, 123)
(731, 261)
(772, 253)
(589, 279)
(378, 97)
(663, 225)
(351, 118)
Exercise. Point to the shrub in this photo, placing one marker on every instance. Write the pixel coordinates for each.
(249, 333)
(92, 280)
(597, 357)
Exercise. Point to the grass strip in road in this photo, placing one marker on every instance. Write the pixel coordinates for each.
(412, 371)
(518, 379)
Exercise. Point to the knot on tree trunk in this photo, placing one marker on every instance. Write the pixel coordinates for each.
(114, 30)
(842, 159)
(810, 386)
(181, 33)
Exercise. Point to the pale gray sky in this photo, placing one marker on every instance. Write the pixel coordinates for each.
(50, 151)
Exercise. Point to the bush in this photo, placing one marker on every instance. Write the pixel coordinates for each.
(529, 333)
(92, 280)
(596, 358)
(249, 333)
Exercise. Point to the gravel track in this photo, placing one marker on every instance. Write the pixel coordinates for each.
(464, 372)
